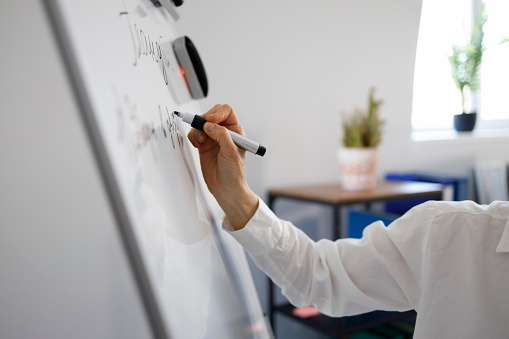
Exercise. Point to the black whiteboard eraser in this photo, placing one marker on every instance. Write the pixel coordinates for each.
(176, 3)
(169, 6)
(192, 67)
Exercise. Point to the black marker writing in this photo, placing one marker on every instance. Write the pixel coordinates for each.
(145, 45)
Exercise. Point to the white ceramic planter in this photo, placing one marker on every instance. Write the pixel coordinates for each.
(358, 168)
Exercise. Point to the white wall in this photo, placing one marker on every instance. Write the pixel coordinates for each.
(289, 67)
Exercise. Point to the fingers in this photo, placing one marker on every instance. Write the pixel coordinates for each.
(196, 137)
(225, 116)
(219, 114)
(220, 134)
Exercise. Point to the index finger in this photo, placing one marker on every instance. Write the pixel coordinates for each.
(225, 116)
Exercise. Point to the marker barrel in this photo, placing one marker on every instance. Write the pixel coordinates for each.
(241, 141)
(247, 144)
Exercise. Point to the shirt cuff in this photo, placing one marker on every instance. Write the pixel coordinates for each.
(261, 233)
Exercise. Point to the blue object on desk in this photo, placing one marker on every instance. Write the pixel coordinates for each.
(358, 220)
(455, 188)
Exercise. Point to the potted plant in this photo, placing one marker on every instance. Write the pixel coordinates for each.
(465, 66)
(358, 156)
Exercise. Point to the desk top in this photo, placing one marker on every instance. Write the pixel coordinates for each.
(333, 193)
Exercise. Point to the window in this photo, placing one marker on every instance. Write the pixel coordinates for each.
(436, 98)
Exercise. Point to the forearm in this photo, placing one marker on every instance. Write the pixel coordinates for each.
(293, 261)
(340, 278)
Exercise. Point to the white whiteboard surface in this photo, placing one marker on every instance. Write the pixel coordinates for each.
(194, 279)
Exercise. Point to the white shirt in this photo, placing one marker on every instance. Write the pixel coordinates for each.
(447, 260)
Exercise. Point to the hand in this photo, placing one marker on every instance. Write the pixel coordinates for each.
(223, 165)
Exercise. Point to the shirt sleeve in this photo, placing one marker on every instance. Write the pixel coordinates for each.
(380, 271)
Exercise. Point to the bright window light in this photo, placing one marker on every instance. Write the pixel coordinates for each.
(495, 66)
(436, 98)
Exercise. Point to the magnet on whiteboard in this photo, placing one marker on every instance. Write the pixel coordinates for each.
(191, 67)
(169, 5)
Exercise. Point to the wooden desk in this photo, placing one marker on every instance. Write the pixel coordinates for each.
(333, 195)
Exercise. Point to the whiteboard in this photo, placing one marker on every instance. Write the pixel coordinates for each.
(194, 280)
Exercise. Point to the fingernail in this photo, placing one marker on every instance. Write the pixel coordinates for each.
(200, 136)
(210, 127)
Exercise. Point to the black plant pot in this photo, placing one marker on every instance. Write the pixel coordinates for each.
(464, 122)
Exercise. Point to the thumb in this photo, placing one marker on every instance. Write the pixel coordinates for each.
(221, 135)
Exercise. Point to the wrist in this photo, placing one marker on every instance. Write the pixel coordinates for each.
(239, 208)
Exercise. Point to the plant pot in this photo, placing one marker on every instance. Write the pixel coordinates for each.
(358, 168)
(465, 122)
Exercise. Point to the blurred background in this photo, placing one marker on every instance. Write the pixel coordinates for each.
(290, 68)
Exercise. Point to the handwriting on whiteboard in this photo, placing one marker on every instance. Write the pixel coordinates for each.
(137, 135)
(145, 45)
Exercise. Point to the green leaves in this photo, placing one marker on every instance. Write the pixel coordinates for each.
(364, 129)
(466, 60)
(353, 130)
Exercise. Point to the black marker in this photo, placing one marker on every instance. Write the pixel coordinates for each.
(241, 141)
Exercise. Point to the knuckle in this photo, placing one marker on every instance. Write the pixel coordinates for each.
(224, 110)
(215, 108)
(227, 107)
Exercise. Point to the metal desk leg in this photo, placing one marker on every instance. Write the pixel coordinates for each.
(272, 198)
(336, 234)
(271, 306)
